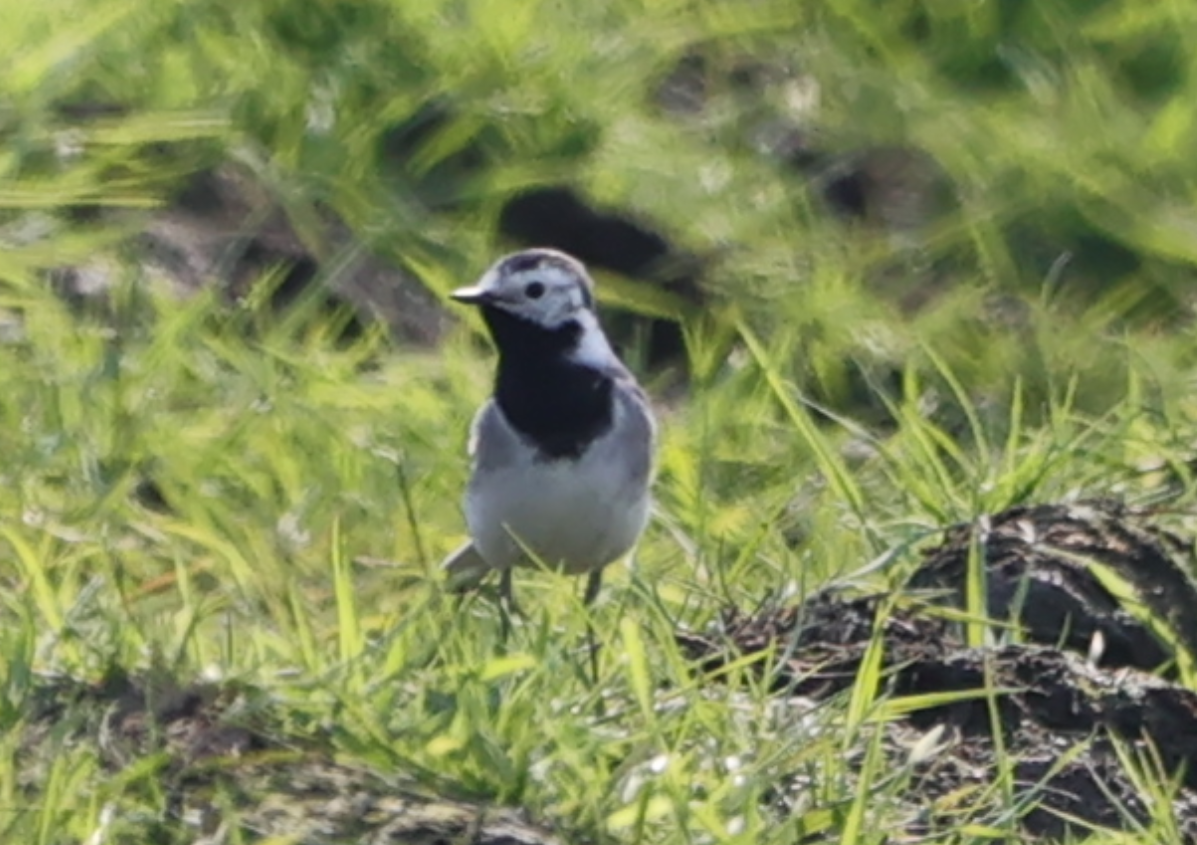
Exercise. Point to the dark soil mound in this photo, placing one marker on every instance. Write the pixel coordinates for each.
(1043, 571)
(1065, 722)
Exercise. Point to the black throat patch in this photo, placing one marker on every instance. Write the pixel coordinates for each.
(559, 406)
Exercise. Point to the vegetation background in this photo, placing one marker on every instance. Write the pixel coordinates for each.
(215, 488)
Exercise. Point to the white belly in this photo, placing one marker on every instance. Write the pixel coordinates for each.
(575, 516)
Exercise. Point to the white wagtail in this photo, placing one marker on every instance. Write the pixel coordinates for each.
(562, 453)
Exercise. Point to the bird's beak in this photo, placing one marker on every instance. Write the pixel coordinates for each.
(473, 295)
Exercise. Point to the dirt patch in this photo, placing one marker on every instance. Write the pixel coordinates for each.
(225, 226)
(228, 774)
(1043, 568)
(1067, 717)
(131, 717)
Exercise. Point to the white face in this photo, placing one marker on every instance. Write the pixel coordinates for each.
(541, 285)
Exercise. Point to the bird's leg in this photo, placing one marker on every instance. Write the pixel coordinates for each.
(507, 605)
(593, 583)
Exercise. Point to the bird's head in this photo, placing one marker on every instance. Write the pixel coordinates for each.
(542, 286)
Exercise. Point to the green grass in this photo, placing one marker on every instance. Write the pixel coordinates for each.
(313, 486)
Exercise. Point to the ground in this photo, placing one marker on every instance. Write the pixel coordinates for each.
(1063, 719)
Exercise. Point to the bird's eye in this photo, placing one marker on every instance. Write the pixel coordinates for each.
(534, 290)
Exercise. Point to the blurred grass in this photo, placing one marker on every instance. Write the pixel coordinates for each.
(311, 487)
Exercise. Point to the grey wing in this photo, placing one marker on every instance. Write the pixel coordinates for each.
(464, 568)
(493, 442)
(640, 430)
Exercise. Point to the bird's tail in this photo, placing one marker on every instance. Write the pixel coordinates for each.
(464, 569)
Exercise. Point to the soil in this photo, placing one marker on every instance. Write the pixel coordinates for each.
(1066, 702)
(225, 765)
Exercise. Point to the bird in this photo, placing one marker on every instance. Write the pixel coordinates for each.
(562, 454)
